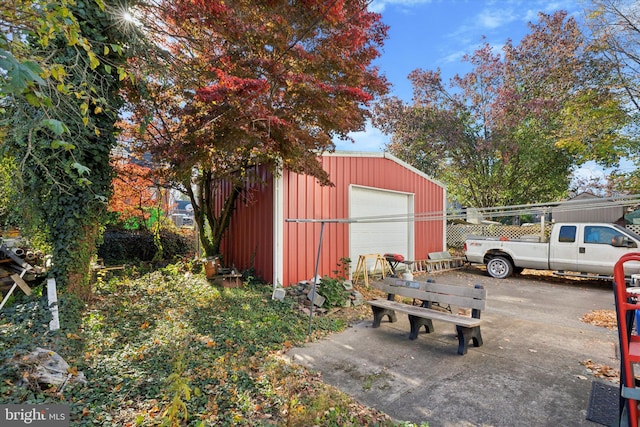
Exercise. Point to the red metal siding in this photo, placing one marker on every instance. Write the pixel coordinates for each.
(305, 199)
(249, 240)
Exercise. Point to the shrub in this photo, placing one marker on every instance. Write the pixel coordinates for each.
(333, 291)
(120, 245)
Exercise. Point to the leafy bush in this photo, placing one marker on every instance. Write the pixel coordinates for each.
(120, 246)
(333, 291)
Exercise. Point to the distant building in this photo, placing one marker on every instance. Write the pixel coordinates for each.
(587, 207)
(633, 217)
(183, 207)
(181, 213)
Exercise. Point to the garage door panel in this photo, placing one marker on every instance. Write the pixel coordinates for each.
(379, 237)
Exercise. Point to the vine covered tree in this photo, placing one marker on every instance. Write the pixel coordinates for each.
(63, 66)
(511, 131)
(241, 83)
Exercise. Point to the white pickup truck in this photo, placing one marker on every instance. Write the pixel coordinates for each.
(580, 248)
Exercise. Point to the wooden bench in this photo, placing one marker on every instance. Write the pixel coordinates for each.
(433, 297)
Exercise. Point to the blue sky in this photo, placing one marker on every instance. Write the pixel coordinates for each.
(430, 34)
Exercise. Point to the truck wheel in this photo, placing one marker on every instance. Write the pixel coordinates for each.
(499, 267)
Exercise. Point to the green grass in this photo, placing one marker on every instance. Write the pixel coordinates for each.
(168, 348)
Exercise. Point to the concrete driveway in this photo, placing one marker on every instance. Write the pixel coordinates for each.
(527, 373)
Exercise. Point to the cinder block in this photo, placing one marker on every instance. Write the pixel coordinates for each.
(317, 299)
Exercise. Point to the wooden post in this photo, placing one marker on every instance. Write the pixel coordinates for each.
(23, 285)
(52, 297)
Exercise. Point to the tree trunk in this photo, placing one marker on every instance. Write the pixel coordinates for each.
(212, 227)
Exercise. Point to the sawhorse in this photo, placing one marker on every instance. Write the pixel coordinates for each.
(381, 264)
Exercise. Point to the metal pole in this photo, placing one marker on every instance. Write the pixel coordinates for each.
(15, 285)
(13, 288)
(315, 278)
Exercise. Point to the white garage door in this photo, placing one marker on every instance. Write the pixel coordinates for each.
(380, 237)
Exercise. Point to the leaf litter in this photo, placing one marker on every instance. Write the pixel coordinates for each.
(604, 318)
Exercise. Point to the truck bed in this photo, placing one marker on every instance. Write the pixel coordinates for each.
(524, 253)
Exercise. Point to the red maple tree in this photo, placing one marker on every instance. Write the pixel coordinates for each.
(240, 83)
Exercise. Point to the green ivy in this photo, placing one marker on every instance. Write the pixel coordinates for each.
(165, 345)
(63, 139)
(9, 212)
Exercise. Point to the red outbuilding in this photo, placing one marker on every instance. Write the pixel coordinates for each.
(410, 207)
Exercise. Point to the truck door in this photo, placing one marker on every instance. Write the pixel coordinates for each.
(596, 253)
(563, 250)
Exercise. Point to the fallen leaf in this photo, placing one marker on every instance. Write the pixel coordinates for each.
(604, 318)
(602, 371)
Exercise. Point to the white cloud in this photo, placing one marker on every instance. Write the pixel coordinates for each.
(495, 18)
(571, 6)
(531, 15)
(378, 6)
(487, 19)
(369, 140)
(589, 171)
(454, 57)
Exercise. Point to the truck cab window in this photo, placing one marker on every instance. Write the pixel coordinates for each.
(567, 234)
(600, 235)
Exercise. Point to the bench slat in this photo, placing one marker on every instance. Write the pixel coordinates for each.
(455, 300)
(454, 295)
(478, 293)
(468, 322)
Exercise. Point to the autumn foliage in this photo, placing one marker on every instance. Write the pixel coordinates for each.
(240, 83)
(133, 192)
(512, 129)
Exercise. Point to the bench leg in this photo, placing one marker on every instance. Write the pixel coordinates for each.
(466, 334)
(379, 313)
(418, 322)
